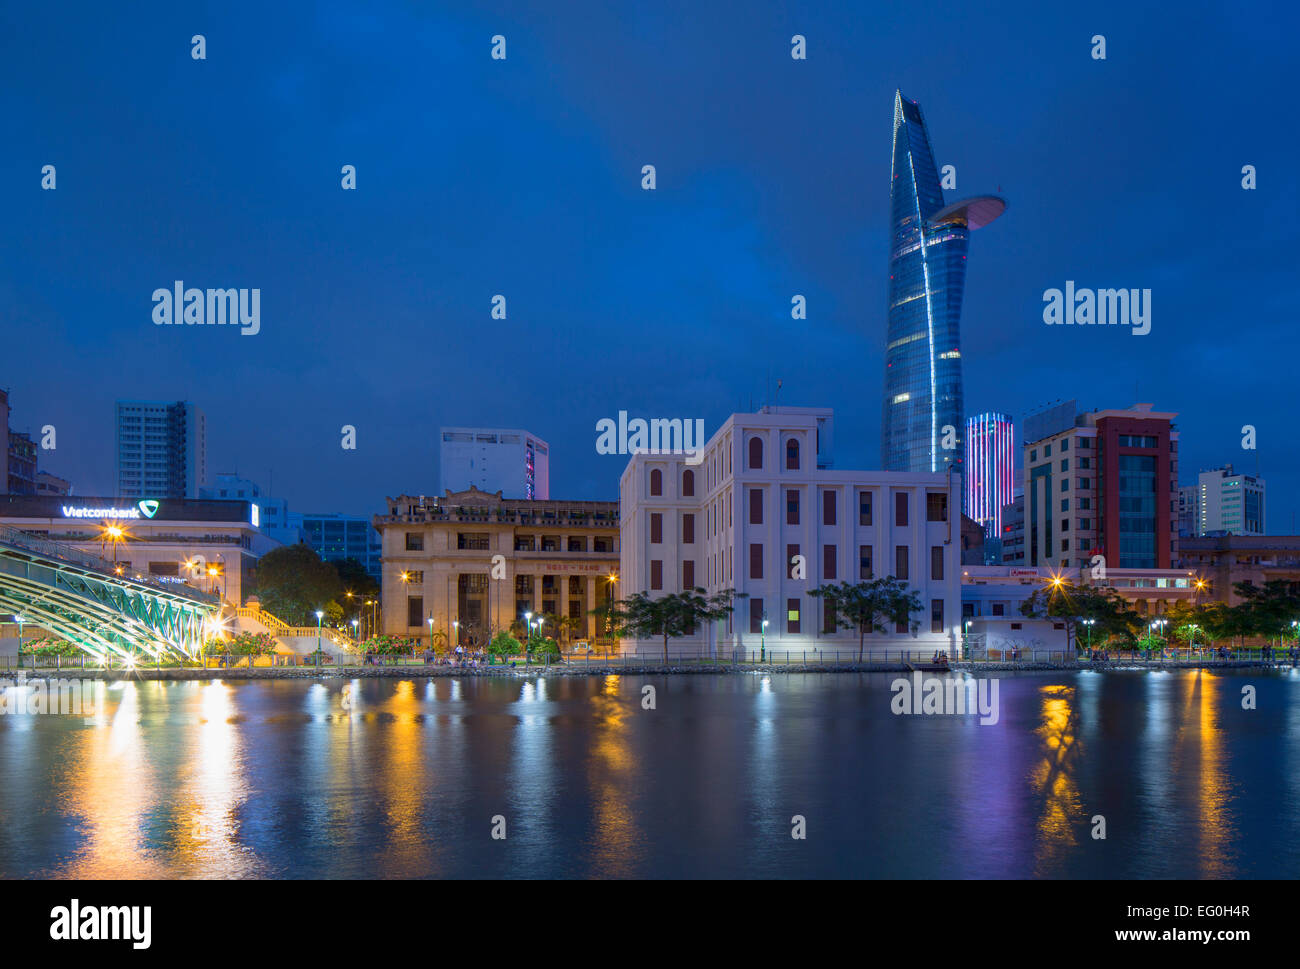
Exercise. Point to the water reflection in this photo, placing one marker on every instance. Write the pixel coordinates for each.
(611, 774)
(1060, 806)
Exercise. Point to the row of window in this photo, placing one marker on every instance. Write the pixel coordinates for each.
(830, 564)
(481, 542)
(936, 507)
(759, 623)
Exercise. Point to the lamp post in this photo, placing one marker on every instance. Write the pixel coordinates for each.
(319, 616)
(528, 639)
(1089, 623)
(762, 642)
(431, 634)
(1191, 640)
(20, 620)
(356, 636)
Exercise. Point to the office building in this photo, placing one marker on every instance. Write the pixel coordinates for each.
(475, 563)
(212, 546)
(1222, 502)
(513, 462)
(52, 484)
(990, 472)
(161, 449)
(923, 406)
(336, 537)
(1101, 484)
(272, 515)
(759, 516)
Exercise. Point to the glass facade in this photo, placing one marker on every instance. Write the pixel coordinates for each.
(927, 271)
(1137, 512)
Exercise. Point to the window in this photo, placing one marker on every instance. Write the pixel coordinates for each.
(936, 562)
(830, 619)
(755, 453)
(792, 455)
(1065, 524)
(900, 508)
(864, 561)
(1065, 445)
(479, 541)
(829, 557)
(792, 615)
(790, 552)
(998, 609)
(656, 483)
(828, 508)
(1065, 545)
(414, 611)
(688, 574)
(1065, 464)
(688, 529)
(756, 560)
(414, 542)
(602, 545)
(936, 615)
(864, 507)
(656, 574)
(656, 528)
(900, 561)
(577, 544)
(936, 507)
(688, 484)
(756, 616)
(755, 506)
(575, 585)
(792, 507)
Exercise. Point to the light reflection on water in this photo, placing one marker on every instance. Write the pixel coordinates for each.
(403, 778)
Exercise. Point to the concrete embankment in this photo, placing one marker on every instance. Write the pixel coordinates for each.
(638, 669)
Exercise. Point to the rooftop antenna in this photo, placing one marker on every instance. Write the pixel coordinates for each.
(777, 394)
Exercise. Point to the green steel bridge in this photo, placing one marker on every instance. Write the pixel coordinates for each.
(82, 599)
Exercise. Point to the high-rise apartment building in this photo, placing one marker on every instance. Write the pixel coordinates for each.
(1101, 484)
(923, 404)
(336, 537)
(1222, 502)
(17, 456)
(161, 449)
(513, 462)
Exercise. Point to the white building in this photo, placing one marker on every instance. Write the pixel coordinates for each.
(511, 461)
(759, 503)
(1224, 503)
(161, 449)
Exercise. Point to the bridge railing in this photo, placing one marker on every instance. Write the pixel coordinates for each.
(70, 553)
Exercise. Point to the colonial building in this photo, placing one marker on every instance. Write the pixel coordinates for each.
(1228, 559)
(474, 562)
(761, 512)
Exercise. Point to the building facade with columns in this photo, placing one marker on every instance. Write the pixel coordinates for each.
(762, 513)
(474, 562)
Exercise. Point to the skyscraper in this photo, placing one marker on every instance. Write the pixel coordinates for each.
(990, 482)
(923, 404)
(514, 462)
(161, 449)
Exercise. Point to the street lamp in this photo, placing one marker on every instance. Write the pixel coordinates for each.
(20, 620)
(1089, 623)
(762, 642)
(431, 634)
(1191, 643)
(355, 636)
(319, 616)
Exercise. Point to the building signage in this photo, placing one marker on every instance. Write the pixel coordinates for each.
(575, 567)
(1024, 573)
(148, 507)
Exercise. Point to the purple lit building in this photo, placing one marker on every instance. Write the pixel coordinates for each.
(990, 469)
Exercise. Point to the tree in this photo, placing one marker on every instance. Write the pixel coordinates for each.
(1110, 614)
(676, 614)
(503, 644)
(1267, 611)
(293, 583)
(867, 605)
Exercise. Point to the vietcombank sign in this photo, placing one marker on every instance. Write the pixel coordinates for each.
(146, 508)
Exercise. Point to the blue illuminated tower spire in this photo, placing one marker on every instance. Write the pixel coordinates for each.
(927, 272)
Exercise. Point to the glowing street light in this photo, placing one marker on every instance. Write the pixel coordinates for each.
(319, 616)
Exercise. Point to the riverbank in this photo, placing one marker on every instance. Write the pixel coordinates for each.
(617, 669)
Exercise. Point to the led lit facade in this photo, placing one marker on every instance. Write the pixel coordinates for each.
(990, 482)
(927, 272)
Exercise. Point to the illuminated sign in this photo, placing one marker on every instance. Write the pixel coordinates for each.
(148, 507)
(254, 515)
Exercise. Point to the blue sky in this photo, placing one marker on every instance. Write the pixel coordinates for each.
(522, 177)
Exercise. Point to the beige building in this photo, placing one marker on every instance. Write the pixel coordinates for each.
(474, 562)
